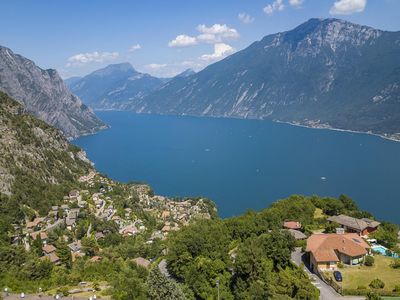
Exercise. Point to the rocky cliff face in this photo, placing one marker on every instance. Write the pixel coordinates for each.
(324, 73)
(43, 93)
(116, 86)
(37, 164)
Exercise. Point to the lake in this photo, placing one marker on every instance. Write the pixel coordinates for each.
(247, 164)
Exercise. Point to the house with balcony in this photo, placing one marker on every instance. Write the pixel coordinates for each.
(362, 226)
(327, 250)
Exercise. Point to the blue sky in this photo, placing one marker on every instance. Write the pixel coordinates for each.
(76, 37)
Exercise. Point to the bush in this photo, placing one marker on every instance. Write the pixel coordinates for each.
(63, 291)
(377, 284)
(396, 288)
(396, 264)
(340, 265)
(373, 296)
(369, 261)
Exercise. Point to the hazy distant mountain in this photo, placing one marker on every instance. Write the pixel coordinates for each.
(324, 73)
(186, 73)
(71, 80)
(114, 87)
(43, 93)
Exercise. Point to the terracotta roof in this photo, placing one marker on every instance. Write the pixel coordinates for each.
(95, 259)
(42, 234)
(292, 224)
(324, 246)
(49, 249)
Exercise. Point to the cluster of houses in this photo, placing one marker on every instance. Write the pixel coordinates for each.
(171, 216)
(348, 246)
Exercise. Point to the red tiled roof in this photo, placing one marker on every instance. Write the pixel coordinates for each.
(324, 246)
(292, 225)
(49, 249)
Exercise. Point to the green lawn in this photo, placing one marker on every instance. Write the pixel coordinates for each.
(353, 277)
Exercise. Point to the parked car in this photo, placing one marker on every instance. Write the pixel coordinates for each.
(338, 276)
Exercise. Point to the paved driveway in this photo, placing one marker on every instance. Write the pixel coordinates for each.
(326, 291)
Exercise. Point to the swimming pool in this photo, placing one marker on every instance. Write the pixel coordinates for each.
(382, 250)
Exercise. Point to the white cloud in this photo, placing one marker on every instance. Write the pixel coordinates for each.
(296, 3)
(135, 47)
(245, 18)
(347, 7)
(216, 33)
(221, 50)
(188, 63)
(182, 41)
(89, 57)
(277, 5)
(156, 66)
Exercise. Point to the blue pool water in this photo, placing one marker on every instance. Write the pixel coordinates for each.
(382, 250)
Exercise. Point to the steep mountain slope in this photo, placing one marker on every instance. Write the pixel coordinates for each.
(37, 164)
(324, 73)
(186, 73)
(114, 87)
(43, 93)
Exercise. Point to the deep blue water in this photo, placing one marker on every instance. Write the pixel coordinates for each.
(247, 164)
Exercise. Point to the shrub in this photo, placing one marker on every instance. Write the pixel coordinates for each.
(340, 265)
(377, 284)
(373, 296)
(396, 288)
(369, 261)
(396, 264)
(63, 291)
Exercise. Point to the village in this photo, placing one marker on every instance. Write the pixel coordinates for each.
(340, 255)
(98, 199)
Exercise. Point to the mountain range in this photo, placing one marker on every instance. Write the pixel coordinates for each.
(44, 94)
(116, 86)
(325, 73)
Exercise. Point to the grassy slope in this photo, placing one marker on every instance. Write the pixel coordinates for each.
(362, 276)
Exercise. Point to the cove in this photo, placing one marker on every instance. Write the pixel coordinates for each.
(247, 164)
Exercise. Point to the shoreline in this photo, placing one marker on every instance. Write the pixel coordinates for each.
(383, 136)
(321, 127)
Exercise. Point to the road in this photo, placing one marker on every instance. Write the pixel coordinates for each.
(326, 291)
(54, 225)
